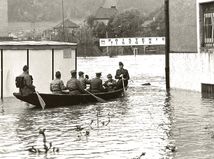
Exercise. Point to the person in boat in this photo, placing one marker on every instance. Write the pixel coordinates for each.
(110, 84)
(83, 81)
(122, 75)
(73, 85)
(96, 84)
(25, 82)
(57, 85)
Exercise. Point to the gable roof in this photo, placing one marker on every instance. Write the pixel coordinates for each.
(105, 13)
(67, 24)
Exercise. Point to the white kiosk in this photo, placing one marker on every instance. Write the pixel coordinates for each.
(43, 59)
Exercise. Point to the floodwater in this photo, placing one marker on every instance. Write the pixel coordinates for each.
(147, 120)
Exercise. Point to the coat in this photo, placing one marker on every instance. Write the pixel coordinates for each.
(96, 85)
(74, 86)
(56, 86)
(28, 87)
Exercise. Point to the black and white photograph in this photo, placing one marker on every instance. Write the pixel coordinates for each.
(106, 79)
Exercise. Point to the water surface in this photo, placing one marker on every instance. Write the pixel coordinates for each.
(145, 120)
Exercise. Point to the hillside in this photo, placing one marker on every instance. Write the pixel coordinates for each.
(51, 10)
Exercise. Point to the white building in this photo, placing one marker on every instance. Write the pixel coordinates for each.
(191, 43)
(43, 58)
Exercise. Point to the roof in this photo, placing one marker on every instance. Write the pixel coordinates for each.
(35, 45)
(67, 24)
(105, 13)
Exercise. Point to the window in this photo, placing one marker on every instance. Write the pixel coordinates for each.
(67, 53)
(209, 29)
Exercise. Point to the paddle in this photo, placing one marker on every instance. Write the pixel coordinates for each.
(41, 101)
(124, 89)
(97, 98)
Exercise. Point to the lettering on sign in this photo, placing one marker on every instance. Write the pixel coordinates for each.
(136, 41)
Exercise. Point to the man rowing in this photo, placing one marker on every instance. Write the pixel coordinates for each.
(73, 85)
(123, 76)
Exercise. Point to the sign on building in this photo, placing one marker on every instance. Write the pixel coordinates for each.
(135, 41)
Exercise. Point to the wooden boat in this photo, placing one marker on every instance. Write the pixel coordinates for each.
(56, 100)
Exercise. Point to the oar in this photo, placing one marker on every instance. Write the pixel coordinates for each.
(41, 101)
(124, 89)
(97, 98)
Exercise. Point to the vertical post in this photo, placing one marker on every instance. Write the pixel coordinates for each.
(76, 58)
(63, 21)
(28, 58)
(52, 64)
(2, 87)
(167, 46)
(107, 46)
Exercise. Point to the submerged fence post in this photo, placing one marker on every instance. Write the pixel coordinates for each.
(167, 45)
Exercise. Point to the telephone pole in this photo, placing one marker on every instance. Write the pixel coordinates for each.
(167, 45)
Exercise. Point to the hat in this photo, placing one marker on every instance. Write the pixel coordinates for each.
(25, 68)
(120, 63)
(98, 73)
(109, 76)
(73, 71)
(80, 73)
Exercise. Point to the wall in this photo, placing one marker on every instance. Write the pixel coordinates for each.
(3, 18)
(40, 67)
(183, 30)
(189, 70)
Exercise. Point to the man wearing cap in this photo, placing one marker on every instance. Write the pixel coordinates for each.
(96, 84)
(73, 85)
(57, 85)
(110, 84)
(25, 82)
(83, 81)
(122, 74)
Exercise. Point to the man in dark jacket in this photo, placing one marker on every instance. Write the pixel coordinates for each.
(122, 74)
(96, 84)
(26, 82)
(74, 85)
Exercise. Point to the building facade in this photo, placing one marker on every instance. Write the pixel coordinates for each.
(3, 18)
(191, 43)
(44, 58)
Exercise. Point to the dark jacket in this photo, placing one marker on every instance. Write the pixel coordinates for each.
(96, 85)
(28, 87)
(56, 86)
(124, 72)
(74, 86)
(126, 77)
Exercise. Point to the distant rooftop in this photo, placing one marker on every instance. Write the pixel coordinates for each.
(35, 45)
(67, 24)
(106, 13)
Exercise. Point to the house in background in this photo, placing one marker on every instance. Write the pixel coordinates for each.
(104, 14)
(57, 31)
(191, 43)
